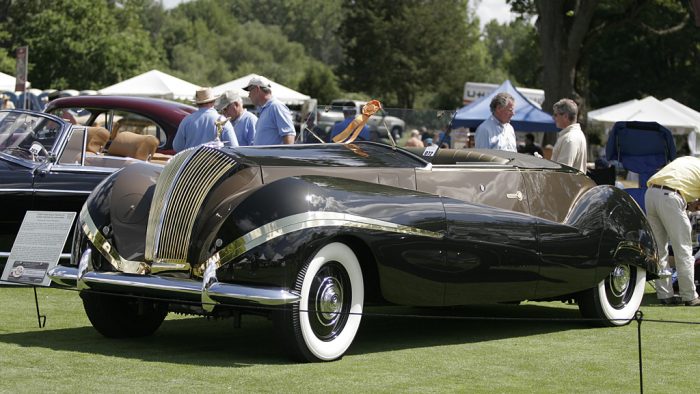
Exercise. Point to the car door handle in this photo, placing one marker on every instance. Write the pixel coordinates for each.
(517, 195)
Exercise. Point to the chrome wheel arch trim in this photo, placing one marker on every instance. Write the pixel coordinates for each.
(88, 227)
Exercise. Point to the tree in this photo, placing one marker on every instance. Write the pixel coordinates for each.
(206, 44)
(320, 82)
(396, 50)
(312, 23)
(669, 70)
(571, 30)
(80, 43)
(514, 47)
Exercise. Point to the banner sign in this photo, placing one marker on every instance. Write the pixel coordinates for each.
(21, 74)
(38, 247)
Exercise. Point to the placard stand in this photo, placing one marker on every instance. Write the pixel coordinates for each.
(41, 319)
(37, 249)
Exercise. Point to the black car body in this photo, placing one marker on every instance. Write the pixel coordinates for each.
(311, 233)
(61, 174)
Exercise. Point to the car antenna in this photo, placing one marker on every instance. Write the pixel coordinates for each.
(306, 127)
(391, 137)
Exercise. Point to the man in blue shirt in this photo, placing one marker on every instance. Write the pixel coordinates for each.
(275, 126)
(230, 105)
(496, 132)
(338, 127)
(199, 127)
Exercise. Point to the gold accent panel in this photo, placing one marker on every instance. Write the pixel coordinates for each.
(181, 189)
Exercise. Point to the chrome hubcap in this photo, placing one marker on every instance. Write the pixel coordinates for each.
(330, 301)
(620, 280)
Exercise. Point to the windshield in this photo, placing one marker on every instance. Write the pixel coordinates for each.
(19, 130)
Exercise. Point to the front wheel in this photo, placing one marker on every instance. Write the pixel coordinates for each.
(615, 300)
(397, 132)
(323, 324)
(121, 316)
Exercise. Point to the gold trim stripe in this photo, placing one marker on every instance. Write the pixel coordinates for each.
(290, 224)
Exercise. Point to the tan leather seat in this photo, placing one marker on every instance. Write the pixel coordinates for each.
(128, 144)
(97, 138)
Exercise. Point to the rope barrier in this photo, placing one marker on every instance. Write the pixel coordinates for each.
(638, 317)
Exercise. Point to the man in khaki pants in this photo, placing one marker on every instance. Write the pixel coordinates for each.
(670, 191)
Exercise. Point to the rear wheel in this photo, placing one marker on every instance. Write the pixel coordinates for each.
(323, 324)
(616, 299)
(123, 317)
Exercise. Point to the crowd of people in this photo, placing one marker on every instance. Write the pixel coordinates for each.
(224, 119)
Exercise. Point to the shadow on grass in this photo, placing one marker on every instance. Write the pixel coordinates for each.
(435, 327)
(208, 342)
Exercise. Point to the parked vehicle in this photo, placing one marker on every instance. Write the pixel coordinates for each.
(140, 115)
(69, 160)
(309, 234)
(379, 124)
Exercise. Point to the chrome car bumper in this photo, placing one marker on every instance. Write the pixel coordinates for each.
(209, 291)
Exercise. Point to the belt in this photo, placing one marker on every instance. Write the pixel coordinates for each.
(665, 188)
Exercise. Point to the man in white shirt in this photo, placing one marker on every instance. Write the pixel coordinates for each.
(496, 132)
(570, 148)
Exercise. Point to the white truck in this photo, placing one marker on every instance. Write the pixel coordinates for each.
(379, 124)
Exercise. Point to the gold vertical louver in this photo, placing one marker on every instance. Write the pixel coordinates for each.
(181, 189)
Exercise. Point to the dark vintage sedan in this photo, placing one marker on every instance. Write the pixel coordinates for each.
(310, 234)
(49, 164)
(140, 115)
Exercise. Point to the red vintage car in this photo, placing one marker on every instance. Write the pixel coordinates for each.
(140, 115)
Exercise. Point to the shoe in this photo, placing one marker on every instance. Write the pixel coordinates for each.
(670, 301)
(695, 302)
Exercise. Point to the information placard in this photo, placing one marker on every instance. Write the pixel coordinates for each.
(38, 247)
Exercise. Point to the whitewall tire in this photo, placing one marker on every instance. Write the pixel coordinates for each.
(322, 326)
(616, 299)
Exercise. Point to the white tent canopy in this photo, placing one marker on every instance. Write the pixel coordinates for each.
(7, 83)
(648, 109)
(153, 83)
(693, 137)
(280, 92)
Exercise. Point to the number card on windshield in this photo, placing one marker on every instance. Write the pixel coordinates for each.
(37, 247)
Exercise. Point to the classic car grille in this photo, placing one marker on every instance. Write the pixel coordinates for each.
(182, 187)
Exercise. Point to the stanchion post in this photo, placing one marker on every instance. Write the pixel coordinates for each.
(39, 317)
(639, 316)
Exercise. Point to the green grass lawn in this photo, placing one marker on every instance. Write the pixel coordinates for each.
(416, 353)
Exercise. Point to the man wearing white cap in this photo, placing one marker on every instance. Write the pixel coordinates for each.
(231, 106)
(274, 125)
(199, 127)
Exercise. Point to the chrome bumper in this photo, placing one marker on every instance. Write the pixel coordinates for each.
(209, 291)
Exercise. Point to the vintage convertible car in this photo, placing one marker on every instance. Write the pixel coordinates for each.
(310, 234)
(49, 164)
(140, 115)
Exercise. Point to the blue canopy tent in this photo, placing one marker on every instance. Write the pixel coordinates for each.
(641, 147)
(527, 116)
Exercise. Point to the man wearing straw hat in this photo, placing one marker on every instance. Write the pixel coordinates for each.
(199, 127)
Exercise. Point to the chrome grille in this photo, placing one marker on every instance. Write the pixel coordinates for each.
(181, 189)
